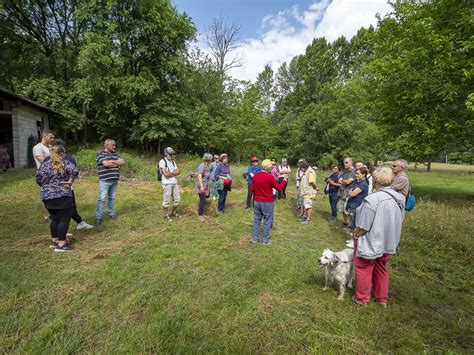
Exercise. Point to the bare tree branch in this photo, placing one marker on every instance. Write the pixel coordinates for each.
(222, 39)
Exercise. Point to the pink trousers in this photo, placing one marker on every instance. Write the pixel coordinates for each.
(371, 274)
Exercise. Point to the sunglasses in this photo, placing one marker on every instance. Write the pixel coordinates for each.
(394, 166)
(254, 161)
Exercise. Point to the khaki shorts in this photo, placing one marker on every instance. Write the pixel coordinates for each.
(307, 203)
(171, 193)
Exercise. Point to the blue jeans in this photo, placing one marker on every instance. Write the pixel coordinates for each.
(222, 198)
(214, 189)
(262, 210)
(333, 203)
(106, 187)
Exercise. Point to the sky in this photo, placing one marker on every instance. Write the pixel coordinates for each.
(274, 31)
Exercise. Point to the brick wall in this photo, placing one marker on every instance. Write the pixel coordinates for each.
(24, 124)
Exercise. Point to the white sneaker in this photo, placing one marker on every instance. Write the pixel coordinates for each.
(83, 225)
(69, 235)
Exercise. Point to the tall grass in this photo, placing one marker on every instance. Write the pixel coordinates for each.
(138, 284)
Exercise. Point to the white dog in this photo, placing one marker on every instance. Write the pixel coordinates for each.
(338, 267)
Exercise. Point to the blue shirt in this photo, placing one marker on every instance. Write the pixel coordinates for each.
(107, 173)
(335, 178)
(253, 169)
(354, 202)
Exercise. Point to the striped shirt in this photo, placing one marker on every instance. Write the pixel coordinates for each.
(107, 173)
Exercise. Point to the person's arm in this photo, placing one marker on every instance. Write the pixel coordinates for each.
(348, 181)
(359, 232)
(355, 192)
(331, 182)
(279, 186)
(201, 184)
(166, 171)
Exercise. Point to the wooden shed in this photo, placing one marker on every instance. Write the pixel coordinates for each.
(21, 123)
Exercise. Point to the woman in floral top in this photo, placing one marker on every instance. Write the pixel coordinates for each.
(202, 184)
(55, 176)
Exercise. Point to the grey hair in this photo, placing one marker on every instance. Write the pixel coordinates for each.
(207, 157)
(284, 160)
(350, 159)
(403, 164)
(383, 176)
(108, 141)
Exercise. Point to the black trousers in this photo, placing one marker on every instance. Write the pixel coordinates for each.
(202, 204)
(249, 196)
(75, 214)
(60, 222)
(282, 193)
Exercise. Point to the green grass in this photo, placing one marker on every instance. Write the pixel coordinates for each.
(137, 284)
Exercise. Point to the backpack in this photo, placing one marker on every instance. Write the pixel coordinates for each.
(410, 200)
(159, 174)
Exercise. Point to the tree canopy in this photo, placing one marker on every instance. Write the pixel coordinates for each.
(126, 69)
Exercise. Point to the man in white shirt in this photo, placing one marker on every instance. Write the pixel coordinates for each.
(41, 150)
(169, 170)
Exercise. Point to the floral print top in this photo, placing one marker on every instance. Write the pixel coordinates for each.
(49, 182)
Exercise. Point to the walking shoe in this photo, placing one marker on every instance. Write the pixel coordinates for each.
(360, 303)
(176, 214)
(254, 241)
(266, 243)
(64, 248)
(53, 245)
(201, 218)
(69, 235)
(332, 220)
(306, 221)
(382, 304)
(248, 209)
(168, 219)
(83, 225)
(112, 216)
(98, 221)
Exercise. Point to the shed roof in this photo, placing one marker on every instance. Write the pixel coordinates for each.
(11, 95)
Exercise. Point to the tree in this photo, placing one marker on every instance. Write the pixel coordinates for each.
(222, 39)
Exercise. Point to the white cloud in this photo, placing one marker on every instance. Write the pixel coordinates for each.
(288, 33)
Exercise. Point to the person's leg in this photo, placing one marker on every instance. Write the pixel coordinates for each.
(280, 193)
(53, 225)
(221, 202)
(224, 198)
(283, 192)
(333, 203)
(167, 190)
(308, 214)
(257, 218)
(64, 216)
(363, 276)
(249, 196)
(176, 199)
(214, 190)
(381, 279)
(353, 219)
(267, 210)
(75, 215)
(111, 193)
(103, 188)
(202, 204)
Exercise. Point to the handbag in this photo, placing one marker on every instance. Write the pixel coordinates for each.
(410, 201)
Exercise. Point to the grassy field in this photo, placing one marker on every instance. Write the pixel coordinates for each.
(138, 284)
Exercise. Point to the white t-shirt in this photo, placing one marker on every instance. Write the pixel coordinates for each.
(171, 166)
(40, 149)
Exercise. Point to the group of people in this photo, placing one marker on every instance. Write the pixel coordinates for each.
(371, 200)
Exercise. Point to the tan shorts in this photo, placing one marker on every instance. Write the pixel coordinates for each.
(171, 193)
(307, 203)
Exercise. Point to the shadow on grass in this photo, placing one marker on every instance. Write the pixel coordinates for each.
(446, 195)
